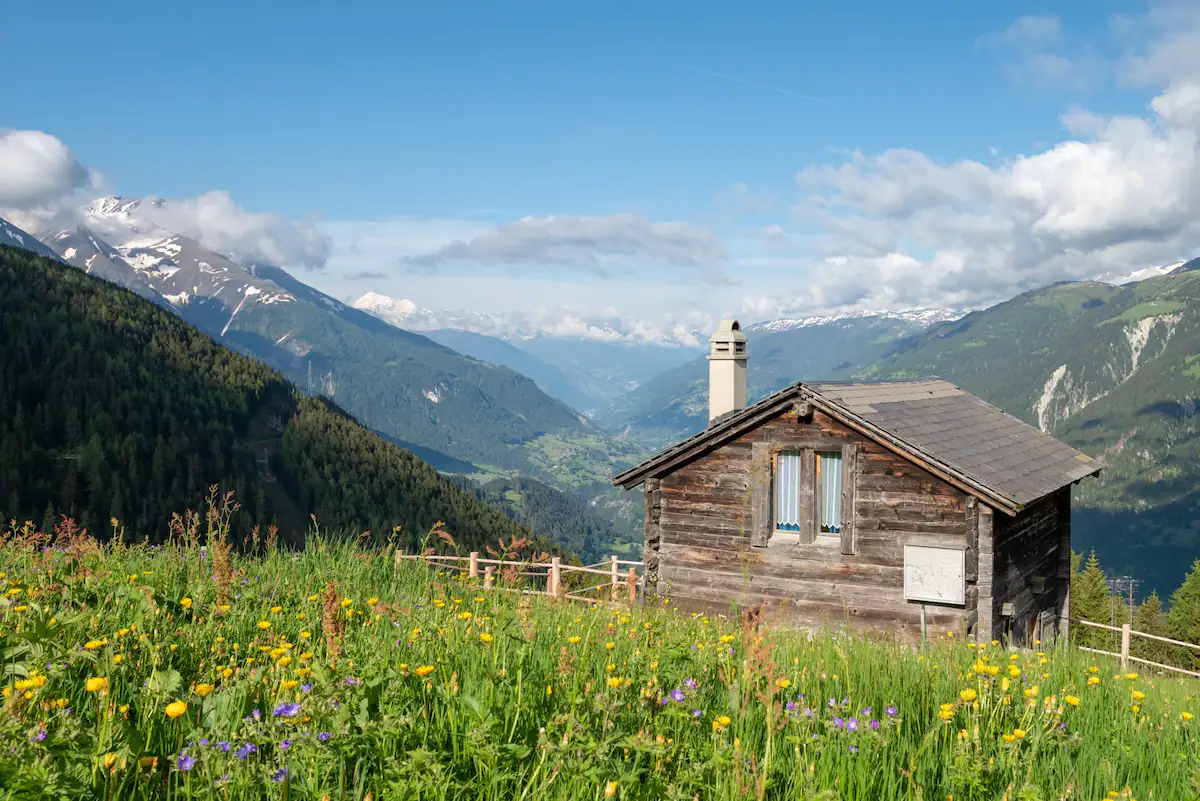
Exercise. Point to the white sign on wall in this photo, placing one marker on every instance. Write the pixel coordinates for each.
(935, 574)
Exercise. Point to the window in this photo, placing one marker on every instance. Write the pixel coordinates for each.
(829, 492)
(826, 472)
(787, 491)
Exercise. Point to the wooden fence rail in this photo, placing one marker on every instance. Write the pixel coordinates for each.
(622, 585)
(1127, 633)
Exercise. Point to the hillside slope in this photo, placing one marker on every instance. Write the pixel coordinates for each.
(674, 404)
(398, 383)
(1115, 372)
(111, 407)
(496, 351)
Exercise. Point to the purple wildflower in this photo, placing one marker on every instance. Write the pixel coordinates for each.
(791, 706)
(41, 735)
(832, 703)
(223, 745)
(854, 749)
(666, 699)
(280, 775)
(677, 695)
(689, 683)
(306, 687)
(185, 762)
(696, 713)
(325, 736)
(352, 681)
(287, 710)
(874, 725)
(866, 712)
(838, 723)
(852, 724)
(246, 750)
(891, 711)
(285, 745)
(257, 714)
(203, 741)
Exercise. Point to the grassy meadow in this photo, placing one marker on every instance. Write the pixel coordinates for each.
(188, 671)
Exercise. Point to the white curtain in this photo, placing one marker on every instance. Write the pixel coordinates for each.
(829, 491)
(787, 492)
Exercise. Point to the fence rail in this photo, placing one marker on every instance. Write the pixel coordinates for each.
(623, 586)
(1127, 633)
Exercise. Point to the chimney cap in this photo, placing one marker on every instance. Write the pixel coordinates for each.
(728, 331)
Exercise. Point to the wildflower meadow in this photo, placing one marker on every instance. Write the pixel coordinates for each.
(189, 671)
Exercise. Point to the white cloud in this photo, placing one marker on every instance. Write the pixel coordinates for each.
(40, 179)
(1035, 52)
(904, 230)
(600, 245)
(217, 222)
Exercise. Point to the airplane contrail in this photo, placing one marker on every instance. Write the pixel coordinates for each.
(759, 85)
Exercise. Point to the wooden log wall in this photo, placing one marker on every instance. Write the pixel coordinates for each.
(707, 554)
(1027, 569)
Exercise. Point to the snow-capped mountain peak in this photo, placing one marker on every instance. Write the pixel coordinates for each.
(924, 317)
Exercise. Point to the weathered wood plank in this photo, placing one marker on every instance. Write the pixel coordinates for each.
(808, 495)
(781, 564)
(829, 615)
(760, 494)
(849, 483)
(985, 603)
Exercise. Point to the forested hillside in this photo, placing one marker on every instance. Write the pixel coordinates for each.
(113, 408)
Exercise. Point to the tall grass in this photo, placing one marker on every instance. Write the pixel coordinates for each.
(333, 673)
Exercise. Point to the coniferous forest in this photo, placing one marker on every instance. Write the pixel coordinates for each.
(112, 408)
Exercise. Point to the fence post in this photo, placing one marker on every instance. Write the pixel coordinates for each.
(631, 581)
(555, 578)
(473, 568)
(489, 574)
(399, 557)
(1125, 632)
(616, 572)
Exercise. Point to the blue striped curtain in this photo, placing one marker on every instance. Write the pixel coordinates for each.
(829, 491)
(787, 492)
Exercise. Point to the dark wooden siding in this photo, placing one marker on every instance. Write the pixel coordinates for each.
(1028, 553)
(707, 513)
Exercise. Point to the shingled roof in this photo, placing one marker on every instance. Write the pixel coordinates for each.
(969, 442)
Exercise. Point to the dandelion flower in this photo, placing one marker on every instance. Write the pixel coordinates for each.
(783, 684)
(1019, 734)
(610, 789)
(485, 637)
(96, 684)
(574, 638)
(424, 670)
(186, 603)
(1072, 700)
(175, 709)
(1186, 716)
(204, 689)
(615, 681)
(724, 720)
(264, 624)
(968, 694)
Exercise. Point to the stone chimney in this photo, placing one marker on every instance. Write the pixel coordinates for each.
(726, 370)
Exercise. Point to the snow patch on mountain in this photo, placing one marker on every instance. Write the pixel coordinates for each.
(923, 317)
(1133, 276)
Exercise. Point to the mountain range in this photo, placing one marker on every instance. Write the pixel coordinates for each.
(483, 420)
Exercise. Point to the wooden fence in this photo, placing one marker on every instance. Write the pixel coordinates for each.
(1127, 633)
(618, 585)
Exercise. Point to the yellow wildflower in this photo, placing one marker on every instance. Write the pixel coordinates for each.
(783, 684)
(186, 603)
(96, 684)
(1072, 700)
(615, 681)
(574, 638)
(264, 624)
(1019, 734)
(485, 637)
(424, 670)
(610, 789)
(968, 694)
(275, 610)
(204, 689)
(175, 709)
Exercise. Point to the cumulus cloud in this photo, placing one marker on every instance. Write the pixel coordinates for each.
(217, 222)
(600, 245)
(40, 179)
(904, 230)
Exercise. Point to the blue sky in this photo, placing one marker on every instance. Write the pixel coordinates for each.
(450, 118)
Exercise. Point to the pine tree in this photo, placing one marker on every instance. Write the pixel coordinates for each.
(1185, 612)
(1151, 618)
(1090, 600)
